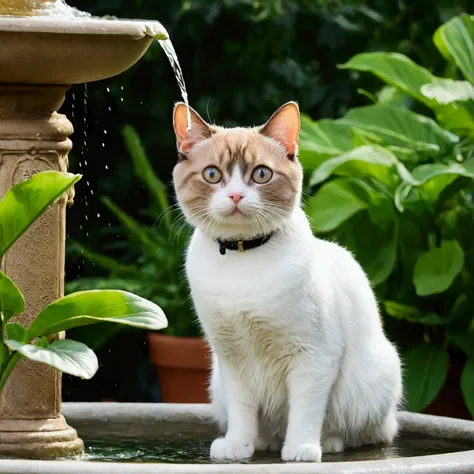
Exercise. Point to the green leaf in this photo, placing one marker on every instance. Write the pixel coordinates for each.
(322, 139)
(11, 299)
(401, 127)
(424, 173)
(70, 357)
(16, 331)
(436, 269)
(89, 307)
(102, 260)
(25, 202)
(426, 369)
(136, 230)
(371, 160)
(411, 314)
(395, 69)
(376, 255)
(445, 91)
(454, 40)
(467, 384)
(145, 172)
(333, 204)
(392, 96)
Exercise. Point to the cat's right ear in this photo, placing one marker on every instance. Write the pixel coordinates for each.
(187, 138)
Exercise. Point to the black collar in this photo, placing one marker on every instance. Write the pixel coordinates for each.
(242, 245)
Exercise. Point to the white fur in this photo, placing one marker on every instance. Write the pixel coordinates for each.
(300, 356)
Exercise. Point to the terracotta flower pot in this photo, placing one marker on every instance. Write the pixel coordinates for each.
(183, 367)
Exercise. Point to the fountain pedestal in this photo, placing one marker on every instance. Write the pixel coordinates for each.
(40, 57)
(34, 138)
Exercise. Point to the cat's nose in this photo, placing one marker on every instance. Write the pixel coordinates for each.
(236, 197)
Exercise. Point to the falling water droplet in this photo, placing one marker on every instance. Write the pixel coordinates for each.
(121, 99)
(107, 89)
(106, 167)
(103, 144)
(98, 215)
(121, 88)
(110, 109)
(87, 218)
(105, 132)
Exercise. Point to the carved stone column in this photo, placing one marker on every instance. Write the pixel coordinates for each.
(34, 138)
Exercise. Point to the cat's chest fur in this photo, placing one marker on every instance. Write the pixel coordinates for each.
(246, 301)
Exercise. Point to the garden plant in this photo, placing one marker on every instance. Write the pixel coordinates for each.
(393, 182)
(19, 208)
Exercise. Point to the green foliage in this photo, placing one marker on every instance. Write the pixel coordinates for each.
(157, 271)
(19, 208)
(397, 189)
(425, 373)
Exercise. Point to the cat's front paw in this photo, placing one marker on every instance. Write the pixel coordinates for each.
(223, 449)
(301, 452)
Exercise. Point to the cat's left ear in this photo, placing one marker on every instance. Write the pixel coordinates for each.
(186, 139)
(284, 127)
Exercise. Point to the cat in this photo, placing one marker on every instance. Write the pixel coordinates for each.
(300, 359)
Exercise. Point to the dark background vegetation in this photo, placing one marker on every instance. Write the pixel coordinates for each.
(241, 60)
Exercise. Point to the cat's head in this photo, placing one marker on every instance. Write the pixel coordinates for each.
(238, 182)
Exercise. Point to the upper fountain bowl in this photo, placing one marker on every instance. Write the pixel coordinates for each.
(51, 48)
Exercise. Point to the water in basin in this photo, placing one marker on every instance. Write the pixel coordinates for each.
(197, 451)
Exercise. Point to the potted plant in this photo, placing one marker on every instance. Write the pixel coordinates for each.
(22, 205)
(153, 269)
(395, 186)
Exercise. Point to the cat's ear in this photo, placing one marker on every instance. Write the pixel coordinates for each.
(284, 127)
(186, 139)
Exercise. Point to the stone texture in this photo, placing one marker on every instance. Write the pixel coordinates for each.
(34, 138)
(169, 421)
(70, 51)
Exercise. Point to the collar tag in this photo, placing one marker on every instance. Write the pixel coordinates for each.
(240, 245)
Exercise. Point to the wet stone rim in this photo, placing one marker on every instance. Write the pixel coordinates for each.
(152, 422)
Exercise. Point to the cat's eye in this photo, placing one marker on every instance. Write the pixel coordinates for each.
(262, 174)
(212, 174)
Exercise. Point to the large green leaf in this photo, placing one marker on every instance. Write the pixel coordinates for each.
(425, 372)
(436, 269)
(26, 201)
(70, 357)
(377, 254)
(395, 69)
(368, 160)
(454, 41)
(333, 204)
(401, 127)
(467, 384)
(89, 307)
(322, 139)
(445, 91)
(11, 299)
(424, 173)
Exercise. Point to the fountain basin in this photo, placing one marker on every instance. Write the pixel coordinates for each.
(153, 424)
(64, 51)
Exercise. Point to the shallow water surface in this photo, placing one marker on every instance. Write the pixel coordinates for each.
(182, 452)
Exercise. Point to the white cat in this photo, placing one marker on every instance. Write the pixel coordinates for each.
(300, 356)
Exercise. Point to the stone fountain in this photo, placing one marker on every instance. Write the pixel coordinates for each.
(43, 51)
